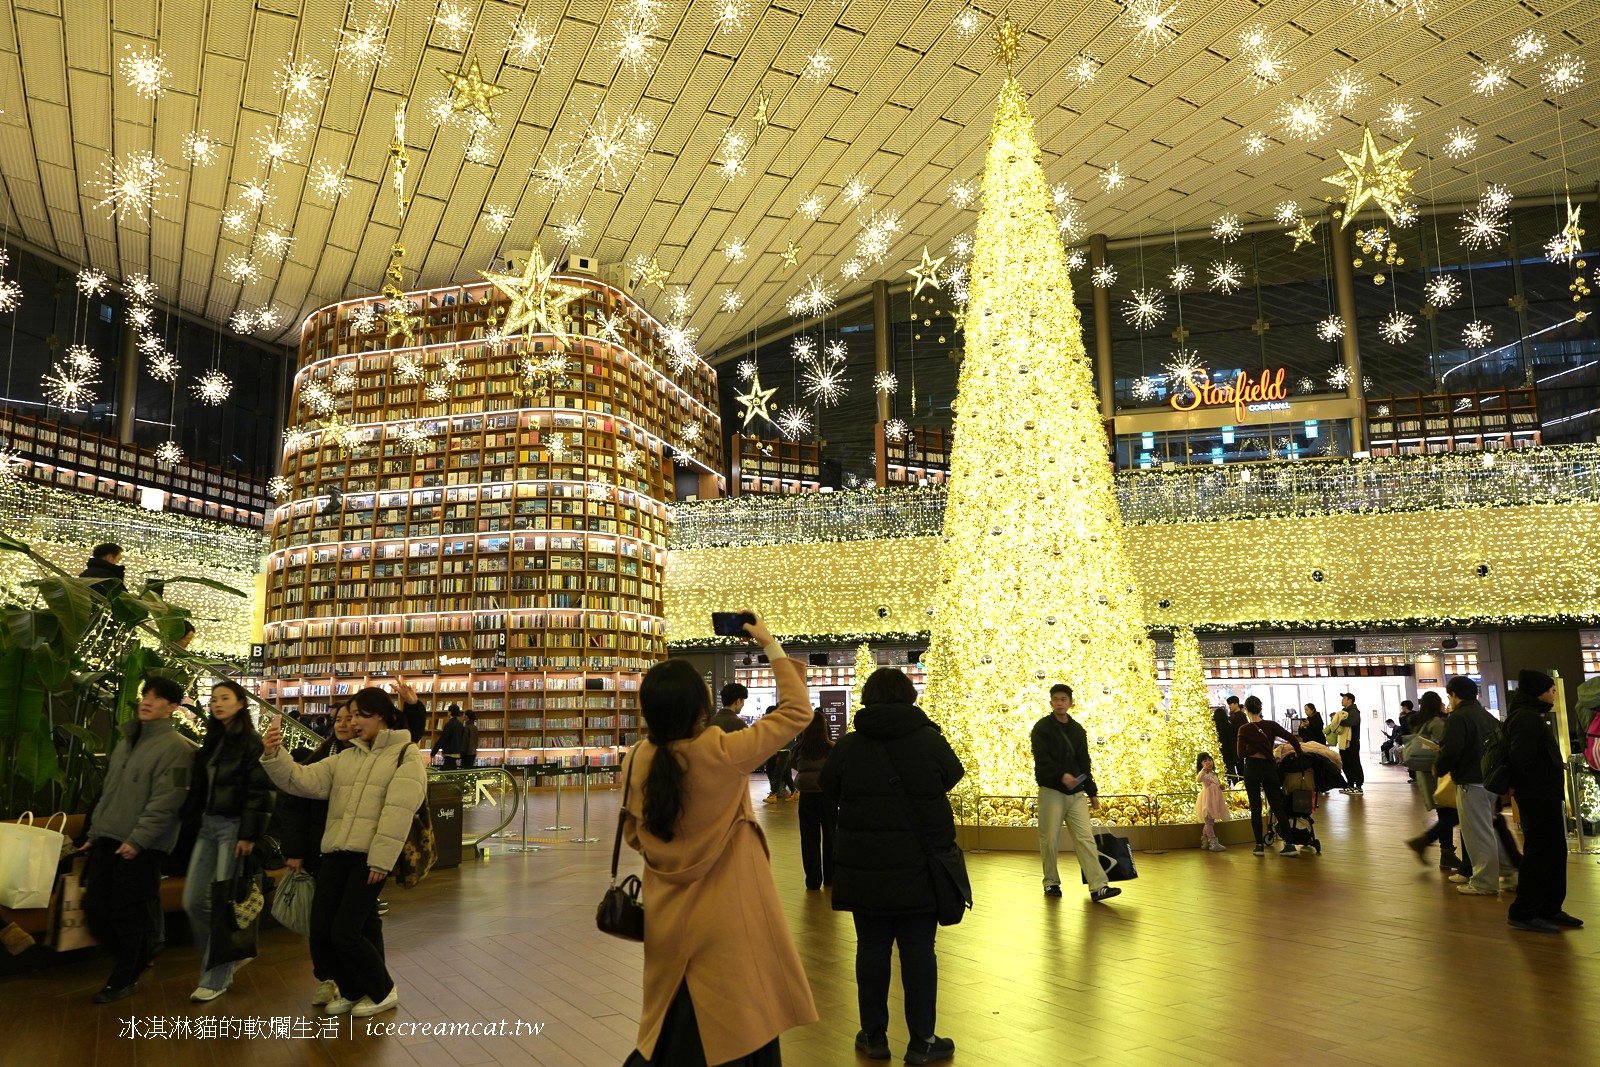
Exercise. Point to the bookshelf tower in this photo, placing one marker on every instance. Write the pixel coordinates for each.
(502, 546)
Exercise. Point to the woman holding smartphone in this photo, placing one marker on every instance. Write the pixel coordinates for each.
(721, 976)
(373, 789)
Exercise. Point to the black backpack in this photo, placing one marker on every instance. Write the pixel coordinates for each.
(1497, 761)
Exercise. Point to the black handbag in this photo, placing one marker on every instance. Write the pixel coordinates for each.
(1116, 857)
(236, 905)
(621, 913)
(947, 866)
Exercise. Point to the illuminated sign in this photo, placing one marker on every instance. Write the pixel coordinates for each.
(454, 661)
(1246, 394)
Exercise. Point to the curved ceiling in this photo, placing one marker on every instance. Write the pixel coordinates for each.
(890, 92)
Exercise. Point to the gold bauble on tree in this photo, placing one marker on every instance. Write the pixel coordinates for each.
(1035, 585)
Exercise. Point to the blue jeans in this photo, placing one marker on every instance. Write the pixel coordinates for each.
(212, 861)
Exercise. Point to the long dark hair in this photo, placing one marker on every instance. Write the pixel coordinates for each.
(241, 725)
(1429, 707)
(331, 745)
(815, 741)
(674, 699)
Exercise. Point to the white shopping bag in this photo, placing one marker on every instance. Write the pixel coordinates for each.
(28, 858)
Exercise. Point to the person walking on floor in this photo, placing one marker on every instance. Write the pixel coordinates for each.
(777, 769)
(232, 799)
(889, 777)
(1061, 766)
(1538, 784)
(1210, 805)
(1236, 719)
(1261, 773)
(133, 826)
(817, 814)
(1467, 728)
(469, 743)
(452, 739)
(721, 976)
(301, 822)
(1430, 723)
(1347, 721)
(373, 789)
(728, 719)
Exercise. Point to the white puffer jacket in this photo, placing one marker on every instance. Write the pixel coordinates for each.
(372, 791)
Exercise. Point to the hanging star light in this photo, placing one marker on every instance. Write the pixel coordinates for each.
(1254, 143)
(65, 388)
(81, 360)
(279, 487)
(1567, 244)
(163, 366)
(1226, 276)
(537, 303)
(1112, 178)
(400, 322)
(1460, 142)
(1305, 117)
(790, 255)
(1397, 327)
(129, 186)
(732, 300)
(144, 72)
(1227, 228)
(528, 43)
(169, 454)
(1181, 277)
(649, 272)
(1490, 79)
(1346, 88)
(793, 422)
(1482, 228)
(1442, 290)
(734, 251)
(1103, 276)
(1375, 176)
(1007, 42)
(1288, 213)
(926, 272)
(754, 401)
(963, 194)
(437, 392)
(1143, 308)
(1331, 328)
(91, 282)
(1152, 23)
(1303, 232)
(212, 387)
(628, 457)
(1477, 334)
(1562, 75)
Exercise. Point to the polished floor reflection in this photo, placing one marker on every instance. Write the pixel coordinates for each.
(1359, 956)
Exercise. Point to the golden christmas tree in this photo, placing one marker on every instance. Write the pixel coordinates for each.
(865, 665)
(1036, 587)
(1190, 729)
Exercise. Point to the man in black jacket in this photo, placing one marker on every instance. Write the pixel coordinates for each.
(1460, 756)
(416, 715)
(728, 719)
(452, 740)
(1066, 790)
(105, 568)
(1537, 783)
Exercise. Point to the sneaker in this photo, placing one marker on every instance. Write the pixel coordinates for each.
(1508, 883)
(1458, 878)
(791, 798)
(1473, 891)
(1571, 922)
(383, 906)
(1099, 896)
(1288, 850)
(365, 1006)
(770, 799)
(340, 1005)
(1419, 845)
(1358, 791)
(930, 1050)
(1538, 926)
(1259, 850)
(873, 1046)
(1217, 846)
(327, 992)
(107, 995)
(202, 995)
(1052, 891)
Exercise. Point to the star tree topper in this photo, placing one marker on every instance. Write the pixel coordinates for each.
(755, 400)
(1375, 176)
(470, 92)
(1303, 233)
(927, 272)
(535, 299)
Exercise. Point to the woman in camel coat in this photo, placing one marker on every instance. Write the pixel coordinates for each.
(721, 975)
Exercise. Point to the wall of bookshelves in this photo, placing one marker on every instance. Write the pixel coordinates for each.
(501, 547)
(918, 455)
(774, 465)
(1453, 422)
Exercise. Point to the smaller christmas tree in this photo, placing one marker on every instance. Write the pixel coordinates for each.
(1190, 729)
(865, 665)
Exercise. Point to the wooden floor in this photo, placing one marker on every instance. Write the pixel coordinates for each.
(1359, 956)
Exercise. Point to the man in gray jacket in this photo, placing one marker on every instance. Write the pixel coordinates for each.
(1461, 757)
(132, 828)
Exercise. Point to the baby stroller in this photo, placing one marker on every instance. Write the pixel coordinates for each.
(1299, 776)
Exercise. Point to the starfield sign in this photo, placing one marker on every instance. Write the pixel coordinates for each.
(1246, 394)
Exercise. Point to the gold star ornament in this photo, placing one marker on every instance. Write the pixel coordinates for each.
(927, 272)
(753, 403)
(1303, 233)
(791, 255)
(469, 92)
(1375, 176)
(398, 321)
(1007, 42)
(536, 301)
(653, 274)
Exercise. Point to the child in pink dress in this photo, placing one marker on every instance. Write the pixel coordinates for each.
(1210, 805)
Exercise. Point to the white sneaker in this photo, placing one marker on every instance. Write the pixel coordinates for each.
(339, 1006)
(327, 992)
(365, 1006)
(202, 995)
(1508, 883)
(1217, 846)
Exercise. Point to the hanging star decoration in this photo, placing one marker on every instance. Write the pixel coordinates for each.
(927, 272)
(1303, 232)
(791, 255)
(535, 300)
(1007, 43)
(398, 321)
(651, 273)
(754, 401)
(469, 92)
(1375, 176)
(763, 104)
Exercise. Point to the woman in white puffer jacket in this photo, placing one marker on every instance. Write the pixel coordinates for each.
(373, 789)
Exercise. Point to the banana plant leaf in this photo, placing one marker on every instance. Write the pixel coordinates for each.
(71, 601)
(187, 579)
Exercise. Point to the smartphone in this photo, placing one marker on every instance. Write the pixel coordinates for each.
(730, 623)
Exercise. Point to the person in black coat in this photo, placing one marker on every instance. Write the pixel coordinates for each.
(105, 569)
(416, 715)
(1538, 783)
(452, 740)
(231, 797)
(300, 824)
(880, 855)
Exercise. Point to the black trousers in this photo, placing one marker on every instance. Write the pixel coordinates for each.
(679, 1042)
(452, 763)
(346, 933)
(1443, 832)
(121, 900)
(876, 935)
(817, 818)
(1261, 776)
(1542, 879)
(1353, 772)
